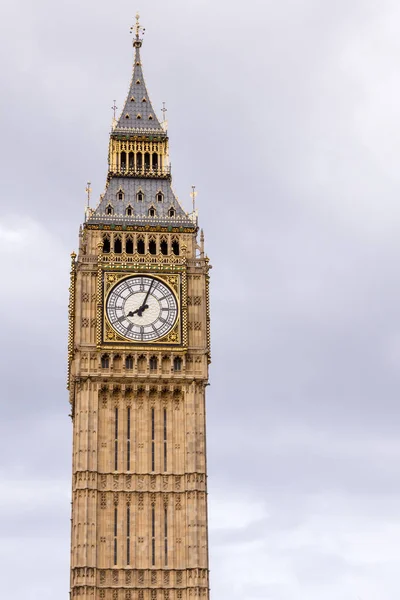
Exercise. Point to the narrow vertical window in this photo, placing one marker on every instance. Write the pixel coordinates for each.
(128, 535)
(166, 536)
(115, 535)
(165, 439)
(128, 442)
(153, 536)
(152, 440)
(116, 441)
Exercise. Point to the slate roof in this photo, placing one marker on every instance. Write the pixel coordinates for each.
(130, 187)
(138, 103)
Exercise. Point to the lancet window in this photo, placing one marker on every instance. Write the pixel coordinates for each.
(117, 244)
(106, 244)
(164, 246)
(152, 246)
(129, 245)
(175, 246)
(140, 245)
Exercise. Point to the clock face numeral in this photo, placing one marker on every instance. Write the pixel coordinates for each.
(141, 308)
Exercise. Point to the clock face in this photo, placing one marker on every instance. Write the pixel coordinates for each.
(141, 308)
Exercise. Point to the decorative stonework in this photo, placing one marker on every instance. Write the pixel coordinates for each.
(139, 486)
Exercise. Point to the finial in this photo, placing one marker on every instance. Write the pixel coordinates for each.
(114, 108)
(193, 195)
(88, 191)
(164, 110)
(137, 30)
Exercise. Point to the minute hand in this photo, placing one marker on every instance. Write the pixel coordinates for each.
(144, 305)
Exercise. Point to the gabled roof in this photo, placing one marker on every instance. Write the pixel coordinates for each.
(138, 112)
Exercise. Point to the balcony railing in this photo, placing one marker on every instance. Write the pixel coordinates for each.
(145, 171)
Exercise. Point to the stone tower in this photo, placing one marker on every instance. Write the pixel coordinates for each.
(139, 350)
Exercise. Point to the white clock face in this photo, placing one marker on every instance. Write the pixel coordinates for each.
(141, 308)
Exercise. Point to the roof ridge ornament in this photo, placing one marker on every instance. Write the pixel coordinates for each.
(138, 30)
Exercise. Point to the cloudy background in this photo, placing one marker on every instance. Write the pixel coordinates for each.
(286, 115)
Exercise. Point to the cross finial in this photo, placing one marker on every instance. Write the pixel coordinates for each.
(137, 30)
(164, 110)
(88, 191)
(114, 108)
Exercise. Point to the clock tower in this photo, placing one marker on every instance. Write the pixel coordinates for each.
(139, 350)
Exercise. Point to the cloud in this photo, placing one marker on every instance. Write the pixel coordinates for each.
(286, 118)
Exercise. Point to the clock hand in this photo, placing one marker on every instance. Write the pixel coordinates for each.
(144, 305)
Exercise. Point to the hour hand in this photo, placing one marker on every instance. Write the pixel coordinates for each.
(133, 312)
(141, 309)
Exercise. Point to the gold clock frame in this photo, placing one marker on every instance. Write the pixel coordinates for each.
(108, 338)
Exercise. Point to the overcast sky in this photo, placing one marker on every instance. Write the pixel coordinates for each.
(286, 115)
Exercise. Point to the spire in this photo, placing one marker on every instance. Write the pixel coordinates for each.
(138, 190)
(138, 112)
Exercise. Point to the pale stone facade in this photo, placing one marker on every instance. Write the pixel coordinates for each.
(139, 495)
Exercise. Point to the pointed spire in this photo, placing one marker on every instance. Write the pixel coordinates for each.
(138, 112)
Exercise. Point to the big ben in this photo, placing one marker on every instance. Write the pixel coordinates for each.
(139, 353)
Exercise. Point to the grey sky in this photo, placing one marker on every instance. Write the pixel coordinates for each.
(286, 116)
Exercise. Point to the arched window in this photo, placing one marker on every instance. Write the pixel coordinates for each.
(131, 161)
(140, 245)
(120, 195)
(152, 211)
(175, 247)
(139, 161)
(129, 363)
(154, 159)
(129, 211)
(177, 363)
(140, 196)
(109, 210)
(171, 212)
(129, 245)
(105, 361)
(160, 197)
(153, 363)
(152, 246)
(164, 246)
(117, 245)
(147, 160)
(106, 244)
(123, 161)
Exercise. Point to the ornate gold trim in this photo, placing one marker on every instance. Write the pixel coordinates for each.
(141, 228)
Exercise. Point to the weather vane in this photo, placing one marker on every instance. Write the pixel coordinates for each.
(193, 195)
(88, 191)
(114, 108)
